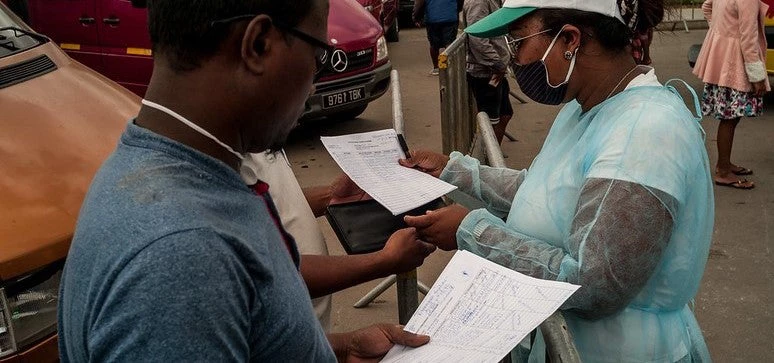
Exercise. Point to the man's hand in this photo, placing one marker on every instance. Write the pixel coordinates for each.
(426, 161)
(344, 190)
(759, 88)
(372, 343)
(404, 251)
(439, 227)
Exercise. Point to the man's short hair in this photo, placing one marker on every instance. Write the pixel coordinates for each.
(180, 29)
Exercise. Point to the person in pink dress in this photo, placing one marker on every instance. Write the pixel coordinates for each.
(732, 65)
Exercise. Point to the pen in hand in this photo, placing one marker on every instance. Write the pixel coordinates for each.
(404, 146)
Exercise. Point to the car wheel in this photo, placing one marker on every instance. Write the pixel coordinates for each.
(350, 114)
(693, 54)
(392, 34)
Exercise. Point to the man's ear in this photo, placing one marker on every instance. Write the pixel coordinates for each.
(256, 43)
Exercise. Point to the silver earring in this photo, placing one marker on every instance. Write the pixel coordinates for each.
(568, 55)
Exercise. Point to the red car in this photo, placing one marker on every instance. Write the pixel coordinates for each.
(386, 12)
(111, 37)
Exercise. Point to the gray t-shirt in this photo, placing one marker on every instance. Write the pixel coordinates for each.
(175, 259)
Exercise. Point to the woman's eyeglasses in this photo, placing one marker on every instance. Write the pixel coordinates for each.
(322, 48)
(515, 43)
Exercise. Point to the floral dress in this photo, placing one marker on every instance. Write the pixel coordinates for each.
(724, 103)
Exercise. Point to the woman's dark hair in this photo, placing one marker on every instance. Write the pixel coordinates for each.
(610, 32)
(180, 29)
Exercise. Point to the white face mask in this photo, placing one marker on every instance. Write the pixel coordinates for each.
(246, 170)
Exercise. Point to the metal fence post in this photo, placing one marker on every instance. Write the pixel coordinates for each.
(407, 285)
(559, 344)
(457, 118)
(408, 294)
(494, 155)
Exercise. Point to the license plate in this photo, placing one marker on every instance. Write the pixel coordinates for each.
(342, 97)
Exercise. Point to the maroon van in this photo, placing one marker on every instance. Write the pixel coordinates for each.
(111, 37)
(386, 12)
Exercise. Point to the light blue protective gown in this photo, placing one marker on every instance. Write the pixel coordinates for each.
(619, 200)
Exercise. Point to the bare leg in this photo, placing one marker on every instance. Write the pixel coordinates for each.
(499, 128)
(734, 167)
(726, 130)
(724, 168)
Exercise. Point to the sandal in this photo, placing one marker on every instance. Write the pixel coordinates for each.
(737, 184)
(742, 171)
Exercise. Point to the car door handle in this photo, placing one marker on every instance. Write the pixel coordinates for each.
(112, 21)
(86, 20)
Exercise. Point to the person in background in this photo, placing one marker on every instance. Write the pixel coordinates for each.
(619, 200)
(179, 254)
(441, 21)
(487, 66)
(641, 46)
(732, 65)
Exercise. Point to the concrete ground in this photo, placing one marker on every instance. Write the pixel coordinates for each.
(733, 305)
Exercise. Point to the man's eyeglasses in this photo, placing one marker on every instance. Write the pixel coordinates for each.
(322, 48)
(514, 43)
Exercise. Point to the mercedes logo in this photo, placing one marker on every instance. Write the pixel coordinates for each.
(339, 60)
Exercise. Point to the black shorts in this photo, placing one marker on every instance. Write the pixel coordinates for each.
(440, 35)
(495, 101)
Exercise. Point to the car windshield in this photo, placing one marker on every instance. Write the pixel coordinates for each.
(15, 36)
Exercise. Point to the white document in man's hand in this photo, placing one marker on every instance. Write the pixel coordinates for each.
(478, 311)
(371, 161)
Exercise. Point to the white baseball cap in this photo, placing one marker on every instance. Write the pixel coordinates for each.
(496, 23)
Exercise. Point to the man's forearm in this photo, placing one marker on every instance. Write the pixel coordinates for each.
(325, 275)
(318, 198)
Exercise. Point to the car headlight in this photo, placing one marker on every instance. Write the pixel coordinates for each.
(28, 309)
(381, 49)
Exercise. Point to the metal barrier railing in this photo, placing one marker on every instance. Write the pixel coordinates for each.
(461, 129)
(488, 142)
(683, 11)
(457, 118)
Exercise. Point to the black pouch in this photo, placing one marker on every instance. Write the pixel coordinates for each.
(365, 226)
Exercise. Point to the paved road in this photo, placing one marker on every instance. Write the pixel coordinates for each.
(733, 305)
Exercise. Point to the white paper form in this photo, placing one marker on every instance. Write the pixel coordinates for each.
(478, 311)
(371, 160)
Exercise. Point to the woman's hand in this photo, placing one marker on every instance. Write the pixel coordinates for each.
(439, 226)
(426, 161)
(759, 88)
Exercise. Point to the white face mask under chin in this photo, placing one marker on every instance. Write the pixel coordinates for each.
(246, 164)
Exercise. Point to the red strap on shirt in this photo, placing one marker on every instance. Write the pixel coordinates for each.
(261, 189)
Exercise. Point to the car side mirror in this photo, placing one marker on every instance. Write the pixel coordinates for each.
(139, 3)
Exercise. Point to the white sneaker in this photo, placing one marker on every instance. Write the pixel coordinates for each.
(434, 72)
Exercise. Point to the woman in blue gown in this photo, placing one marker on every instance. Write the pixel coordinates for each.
(619, 199)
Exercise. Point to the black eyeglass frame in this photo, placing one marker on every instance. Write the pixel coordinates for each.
(313, 41)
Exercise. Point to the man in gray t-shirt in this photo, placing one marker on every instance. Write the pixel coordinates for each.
(177, 256)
